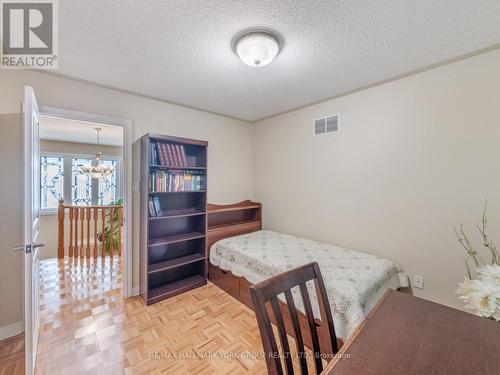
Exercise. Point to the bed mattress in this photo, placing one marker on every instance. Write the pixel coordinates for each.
(354, 281)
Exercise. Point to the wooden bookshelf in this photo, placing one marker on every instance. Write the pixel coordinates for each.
(173, 257)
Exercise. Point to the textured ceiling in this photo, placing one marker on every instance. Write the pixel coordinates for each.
(179, 50)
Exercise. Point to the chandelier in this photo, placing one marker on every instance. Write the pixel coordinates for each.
(96, 169)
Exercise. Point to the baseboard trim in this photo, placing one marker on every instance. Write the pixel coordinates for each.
(11, 330)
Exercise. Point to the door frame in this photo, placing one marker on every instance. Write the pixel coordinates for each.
(127, 178)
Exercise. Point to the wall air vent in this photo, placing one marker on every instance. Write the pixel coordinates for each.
(326, 125)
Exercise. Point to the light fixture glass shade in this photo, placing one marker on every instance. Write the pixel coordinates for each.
(97, 170)
(257, 48)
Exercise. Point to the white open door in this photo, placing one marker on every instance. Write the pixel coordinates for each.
(31, 221)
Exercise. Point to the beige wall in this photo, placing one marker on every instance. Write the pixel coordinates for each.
(48, 222)
(229, 151)
(78, 148)
(10, 220)
(413, 158)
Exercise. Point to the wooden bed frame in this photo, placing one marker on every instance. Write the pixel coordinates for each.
(225, 221)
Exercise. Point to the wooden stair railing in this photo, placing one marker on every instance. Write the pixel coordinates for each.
(89, 227)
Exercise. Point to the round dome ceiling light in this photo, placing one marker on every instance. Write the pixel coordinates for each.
(257, 46)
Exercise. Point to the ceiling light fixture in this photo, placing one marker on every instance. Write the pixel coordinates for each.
(257, 46)
(97, 170)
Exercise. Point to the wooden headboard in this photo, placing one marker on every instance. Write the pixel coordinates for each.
(231, 220)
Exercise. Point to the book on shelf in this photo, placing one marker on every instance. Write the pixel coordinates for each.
(175, 152)
(151, 208)
(161, 153)
(154, 153)
(154, 207)
(157, 207)
(168, 154)
(183, 156)
(176, 180)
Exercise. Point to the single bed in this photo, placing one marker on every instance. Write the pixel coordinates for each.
(355, 281)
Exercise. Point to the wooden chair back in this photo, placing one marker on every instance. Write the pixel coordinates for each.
(267, 292)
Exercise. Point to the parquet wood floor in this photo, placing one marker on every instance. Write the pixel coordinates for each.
(12, 355)
(88, 328)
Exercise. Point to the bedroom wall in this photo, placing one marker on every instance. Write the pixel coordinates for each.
(48, 221)
(414, 157)
(10, 225)
(229, 153)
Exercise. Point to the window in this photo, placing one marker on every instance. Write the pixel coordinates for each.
(107, 186)
(81, 184)
(61, 178)
(52, 179)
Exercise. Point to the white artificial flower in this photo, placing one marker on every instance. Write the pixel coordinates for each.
(491, 271)
(483, 294)
(496, 315)
(465, 289)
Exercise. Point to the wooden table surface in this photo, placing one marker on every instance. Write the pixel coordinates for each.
(409, 335)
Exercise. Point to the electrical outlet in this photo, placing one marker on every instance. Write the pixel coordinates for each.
(418, 281)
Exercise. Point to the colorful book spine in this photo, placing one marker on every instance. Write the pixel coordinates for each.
(176, 180)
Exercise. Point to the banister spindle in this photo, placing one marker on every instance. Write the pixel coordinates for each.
(70, 249)
(111, 230)
(103, 233)
(77, 215)
(96, 213)
(87, 211)
(82, 233)
(60, 229)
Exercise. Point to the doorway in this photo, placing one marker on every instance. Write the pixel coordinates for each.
(109, 200)
(67, 150)
(116, 139)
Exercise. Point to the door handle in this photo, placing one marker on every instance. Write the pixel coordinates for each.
(28, 248)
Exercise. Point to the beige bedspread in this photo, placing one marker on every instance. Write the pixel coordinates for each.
(354, 280)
